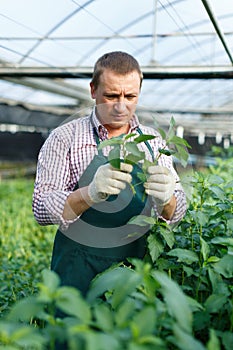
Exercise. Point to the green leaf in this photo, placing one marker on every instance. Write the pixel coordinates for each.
(215, 179)
(51, 280)
(70, 301)
(215, 279)
(172, 122)
(176, 140)
(168, 235)
(186, 341)
(213, 343)
(128, 136)
(18, 336)
(230, 224)
(133, 158)
(124, 288)
(131, 147)
(171, 130)
(142, 176)
(194, 304)
(167, 152)
(134, 154)
(155, 247)
(145, 321)
(227, 340)
(111, 142)
(27, 337)
(182, 155)
(114, 157)
(146, 164)
(213, 259)
(49, 286)
(199, 217)
(122, 280)
(142, 220)
(103, 317)
(124, 312)
(162, 133)
(215, 302)
(225, 241)
(25, 309)
(184, 255)
(176, 301)
(225, 266)
(150, 342)
(205, 250)
(147, 343)
(229, 184)
(143, 138)
(99, 341)
(218, 192)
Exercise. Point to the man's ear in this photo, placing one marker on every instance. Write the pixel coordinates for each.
(93, 94)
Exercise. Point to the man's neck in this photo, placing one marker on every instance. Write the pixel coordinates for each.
(114, 132)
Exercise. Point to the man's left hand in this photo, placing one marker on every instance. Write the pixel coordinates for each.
(160, 184)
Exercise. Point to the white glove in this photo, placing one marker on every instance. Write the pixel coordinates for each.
(109, 180)
(160, 184)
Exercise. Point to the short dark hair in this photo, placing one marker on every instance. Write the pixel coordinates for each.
(117, 61)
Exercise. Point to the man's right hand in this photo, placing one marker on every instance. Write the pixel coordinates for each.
(109, 181)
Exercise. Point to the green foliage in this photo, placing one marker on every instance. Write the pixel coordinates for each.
(200, 258)
(217, 151)
(25, 246)
(125, 148)
(127, 145)
(128, 318)
(174, 145)
(180, 297)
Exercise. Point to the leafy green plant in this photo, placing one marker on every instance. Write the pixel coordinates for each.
(134, 317)
(128, 146)
(125, 148)
(180, 297)
(130, 308)
(25, 246)
(197, 253)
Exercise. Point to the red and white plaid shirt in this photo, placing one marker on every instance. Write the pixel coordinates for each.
(65, 155)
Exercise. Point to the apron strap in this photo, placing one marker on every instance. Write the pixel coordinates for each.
(96, 136)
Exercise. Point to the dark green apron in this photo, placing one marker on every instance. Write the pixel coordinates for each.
(101, 236)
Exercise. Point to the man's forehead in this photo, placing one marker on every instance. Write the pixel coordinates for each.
(110, 77)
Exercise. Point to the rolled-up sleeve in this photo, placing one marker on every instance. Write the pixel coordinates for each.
(181, 207)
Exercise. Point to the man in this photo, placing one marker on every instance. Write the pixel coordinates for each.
(77, 188)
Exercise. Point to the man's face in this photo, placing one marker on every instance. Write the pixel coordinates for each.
(116, 98)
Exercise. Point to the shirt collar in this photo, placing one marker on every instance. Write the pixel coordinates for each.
(102, 131)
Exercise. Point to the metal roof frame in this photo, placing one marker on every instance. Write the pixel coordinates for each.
(149, 72)
(51, 79)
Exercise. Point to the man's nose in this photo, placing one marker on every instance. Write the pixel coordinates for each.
(120, 105)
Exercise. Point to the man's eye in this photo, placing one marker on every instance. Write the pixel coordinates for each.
(111, 97)
(130, 97)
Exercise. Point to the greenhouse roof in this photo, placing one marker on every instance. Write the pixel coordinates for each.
(185, 49)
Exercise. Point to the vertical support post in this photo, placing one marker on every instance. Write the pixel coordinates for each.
(154, 33)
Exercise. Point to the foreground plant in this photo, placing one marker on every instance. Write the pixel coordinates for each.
(141, 311)
(182, 299)
(197, 254)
